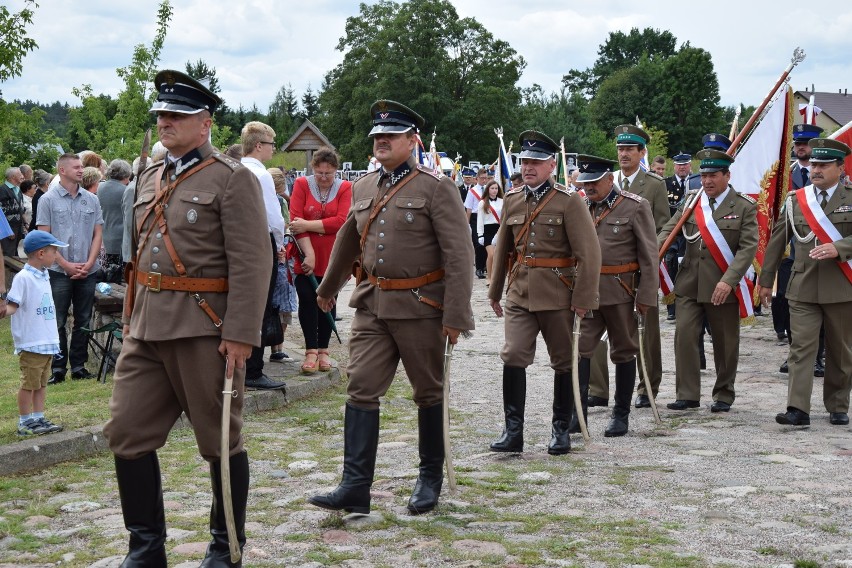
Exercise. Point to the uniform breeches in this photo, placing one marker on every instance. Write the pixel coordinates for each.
(521, 330)
(376, 347)
(618, 321)
(155, 381)
(805, 321)
(725, 322)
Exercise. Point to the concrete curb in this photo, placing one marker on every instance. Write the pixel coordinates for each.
(45, 451)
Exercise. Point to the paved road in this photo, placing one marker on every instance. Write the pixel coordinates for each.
(733, 489)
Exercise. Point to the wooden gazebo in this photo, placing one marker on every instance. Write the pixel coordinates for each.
(307, 139)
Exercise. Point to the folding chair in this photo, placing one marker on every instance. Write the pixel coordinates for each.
(103, 350)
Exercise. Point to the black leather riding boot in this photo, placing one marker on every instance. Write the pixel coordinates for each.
(563, 402)
(585, 368)
(625, 379)
(428, 486)
(360, 443)
(218, 552)
(514, 400)
(141, 491)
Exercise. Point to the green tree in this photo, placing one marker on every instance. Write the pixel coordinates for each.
(621, 51)
(309, 103)
(692, 90)
(14, 41)
(283, 112)
(449, 69)
(200, 71)
(117, 132)
(24, 139)
(563, 115)
(628, 93)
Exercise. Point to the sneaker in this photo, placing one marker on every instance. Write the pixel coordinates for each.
(56, 378)
(31, 428)
(81, 374)
(278, 356)
(51, 427)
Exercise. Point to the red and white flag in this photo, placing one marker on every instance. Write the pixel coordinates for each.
(844, 135)
(761, 169)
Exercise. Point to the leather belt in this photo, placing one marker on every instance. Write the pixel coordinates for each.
(405, 283)
(620, 268)
(534, 262)
(156, 281)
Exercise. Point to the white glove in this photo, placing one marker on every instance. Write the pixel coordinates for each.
(482, 240)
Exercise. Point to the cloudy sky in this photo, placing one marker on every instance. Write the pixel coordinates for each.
(258, 46)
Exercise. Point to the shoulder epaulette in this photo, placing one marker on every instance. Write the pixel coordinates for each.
(434, 173)
(562, 188)
(227, 160)
(515, 190)
(632, 196)
(691, 192)
(654, 176)
(748, 198)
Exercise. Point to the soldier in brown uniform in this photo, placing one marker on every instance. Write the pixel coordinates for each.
(631, 143)
(629, 279)
(703, 289)
(201, 273)
(818, 218)
(408, 229)
(548, 248)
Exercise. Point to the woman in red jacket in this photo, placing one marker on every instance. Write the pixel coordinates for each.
(318, 207)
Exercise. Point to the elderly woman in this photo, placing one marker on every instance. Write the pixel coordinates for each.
(318, 207)
(91, 178)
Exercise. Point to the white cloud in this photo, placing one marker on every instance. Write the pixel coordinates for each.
(257, 46)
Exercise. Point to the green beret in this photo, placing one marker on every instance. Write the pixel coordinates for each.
(629, 135)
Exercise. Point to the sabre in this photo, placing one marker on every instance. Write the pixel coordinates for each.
(575, 378)
(445, 404)
(451, 472)
(228, 392)
(648, 389)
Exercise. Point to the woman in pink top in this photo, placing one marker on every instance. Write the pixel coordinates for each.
(318, 207)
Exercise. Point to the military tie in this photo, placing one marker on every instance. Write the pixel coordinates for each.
(823, 199)
(681, 185)
(713, 203)
(625, 184)
(805, 178)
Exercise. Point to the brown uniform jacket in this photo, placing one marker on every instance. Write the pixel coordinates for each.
(698, 274)
(422, 228)
(626, 234)
(563, 229)
(653, 188)
(811, 280)
(216, 221)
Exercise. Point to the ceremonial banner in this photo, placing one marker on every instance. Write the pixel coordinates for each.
(844, 135)
(666, 284)
(503, 171)
(761, 169)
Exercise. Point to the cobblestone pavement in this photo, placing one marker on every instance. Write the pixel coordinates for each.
(733, 489)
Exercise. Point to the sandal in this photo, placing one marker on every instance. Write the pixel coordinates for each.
(309, 366)
(324, 360)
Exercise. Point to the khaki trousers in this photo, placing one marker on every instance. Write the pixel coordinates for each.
(725, 322)
(521, 331)
(155, 381)
(376, 347)
(805, 321)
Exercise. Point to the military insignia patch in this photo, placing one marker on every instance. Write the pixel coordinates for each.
(843, 209)
(192, 215)
(551, 232)
(615, 229)
(409, 217)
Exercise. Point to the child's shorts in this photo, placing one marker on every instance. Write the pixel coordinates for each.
(35, 370)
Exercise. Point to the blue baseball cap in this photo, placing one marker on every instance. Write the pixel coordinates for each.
(36, 240)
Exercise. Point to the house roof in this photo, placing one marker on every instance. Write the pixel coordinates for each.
(306, 137)
(836, 105)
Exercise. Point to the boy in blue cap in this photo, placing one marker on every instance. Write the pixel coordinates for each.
(30, 303)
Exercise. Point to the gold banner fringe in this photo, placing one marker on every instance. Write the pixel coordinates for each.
(669, 299)
(750, 320)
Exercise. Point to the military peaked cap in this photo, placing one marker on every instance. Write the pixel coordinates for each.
(180, 93)
(391, 117)
(536, 146)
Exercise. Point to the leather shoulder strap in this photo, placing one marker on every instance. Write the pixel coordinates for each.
(380, 203)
